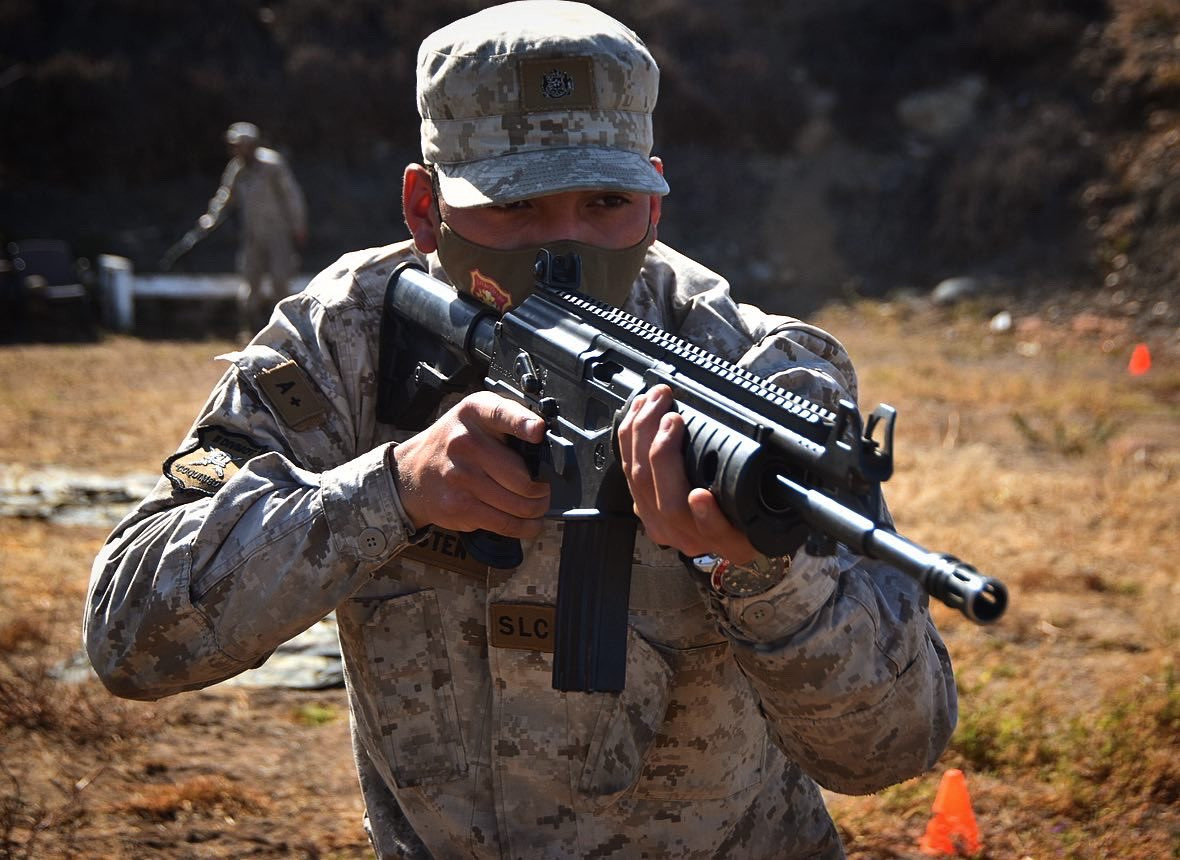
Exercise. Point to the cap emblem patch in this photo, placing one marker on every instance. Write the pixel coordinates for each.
(557, 84)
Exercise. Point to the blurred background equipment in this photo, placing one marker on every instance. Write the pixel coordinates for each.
(46, 293)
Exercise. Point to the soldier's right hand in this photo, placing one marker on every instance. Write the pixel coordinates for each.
(461, 474)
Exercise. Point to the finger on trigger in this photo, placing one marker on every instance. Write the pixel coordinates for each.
(517, 420)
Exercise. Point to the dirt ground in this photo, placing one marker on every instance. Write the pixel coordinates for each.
(1029, 451)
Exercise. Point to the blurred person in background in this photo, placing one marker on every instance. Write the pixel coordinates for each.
(273, 213)
(750, 681)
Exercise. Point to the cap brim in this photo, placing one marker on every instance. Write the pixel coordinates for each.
(520, 175)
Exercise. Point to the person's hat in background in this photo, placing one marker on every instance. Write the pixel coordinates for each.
(242, 132)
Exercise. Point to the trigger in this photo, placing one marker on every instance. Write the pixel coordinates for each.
(534, 452)
(530, 452)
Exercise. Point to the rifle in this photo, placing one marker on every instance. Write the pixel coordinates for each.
(181, 247)
(783, 469)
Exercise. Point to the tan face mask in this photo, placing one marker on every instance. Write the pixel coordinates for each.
(503, 279)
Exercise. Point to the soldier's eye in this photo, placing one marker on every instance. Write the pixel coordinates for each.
(613, 201)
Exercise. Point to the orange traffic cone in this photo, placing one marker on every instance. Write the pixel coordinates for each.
(1140, 360)
(952, 829)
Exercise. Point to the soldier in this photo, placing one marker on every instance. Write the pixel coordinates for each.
(260, 184)
(742, 695)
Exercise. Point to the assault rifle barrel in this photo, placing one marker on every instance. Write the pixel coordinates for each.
(980, 598)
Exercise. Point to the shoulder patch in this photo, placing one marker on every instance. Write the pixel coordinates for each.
(292, 395)
(215, 458)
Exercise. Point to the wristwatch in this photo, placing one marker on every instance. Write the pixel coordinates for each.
(742, 580)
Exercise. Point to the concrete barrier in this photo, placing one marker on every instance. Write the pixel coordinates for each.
(116, 292)
(120, 287)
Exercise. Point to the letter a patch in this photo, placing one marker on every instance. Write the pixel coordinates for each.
(292, 396)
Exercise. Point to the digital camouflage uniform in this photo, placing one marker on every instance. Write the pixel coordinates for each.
(732, 711)
(273, 211)
(280, 507)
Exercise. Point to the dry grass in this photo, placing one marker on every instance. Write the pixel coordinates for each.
(42, 586)
(1032, 455)
(1035, 456)
(115, 406)
(209, 795)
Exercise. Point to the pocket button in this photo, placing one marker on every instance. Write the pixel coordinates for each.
(758, 613)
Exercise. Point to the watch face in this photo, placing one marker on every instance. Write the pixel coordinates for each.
(743, 580)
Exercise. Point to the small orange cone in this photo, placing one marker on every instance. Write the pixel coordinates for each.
(952, 829)
(1140, 360)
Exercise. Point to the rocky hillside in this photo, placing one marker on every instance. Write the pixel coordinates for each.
(815, 149)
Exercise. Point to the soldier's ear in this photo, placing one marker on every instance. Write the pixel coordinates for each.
(419, 209)
(657, 200)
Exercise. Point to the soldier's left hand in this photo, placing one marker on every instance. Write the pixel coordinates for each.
(674, 513)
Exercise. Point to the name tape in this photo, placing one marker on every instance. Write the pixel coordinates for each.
(523, 626)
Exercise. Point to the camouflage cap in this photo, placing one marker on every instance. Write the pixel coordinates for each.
(536, 97)
(242, 132)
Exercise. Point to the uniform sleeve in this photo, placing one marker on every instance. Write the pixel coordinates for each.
(851, 671)
(246, 541)
(854, 679)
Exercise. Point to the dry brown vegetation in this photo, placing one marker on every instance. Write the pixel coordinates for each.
(1031, 453)
(1037, 457)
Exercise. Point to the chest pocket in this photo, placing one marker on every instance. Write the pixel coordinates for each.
(688, 725)
(713, 741)
(666, 606)
(410, 715)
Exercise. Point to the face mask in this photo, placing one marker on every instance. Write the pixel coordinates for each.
(503, 279)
